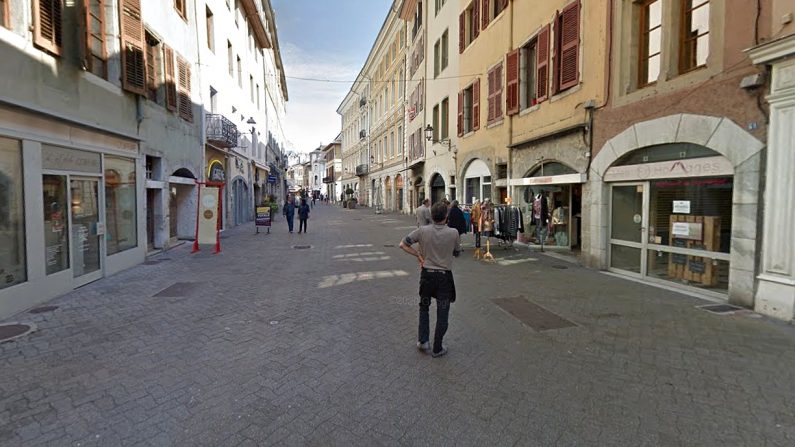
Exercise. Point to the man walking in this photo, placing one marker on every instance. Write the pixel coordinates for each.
(438, 246)
(289, 212)
(303, 215)
(424, 213)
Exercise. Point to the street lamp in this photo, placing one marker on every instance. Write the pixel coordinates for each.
(429, 136)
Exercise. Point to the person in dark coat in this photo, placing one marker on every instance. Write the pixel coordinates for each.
(455, 218)
(289, 212)
(303, 215)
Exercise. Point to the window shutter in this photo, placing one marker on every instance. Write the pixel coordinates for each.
(490, 98)
(185, 102)
(47, 25)
(475, 19)
(460, 113)
(171, 86)
(422, 94)
(498, 92)
(133, 61)
(555, 54)
(512, 83)
(570, 47)
(542, 64)
(461, 31)
(485, 14)
(476, 104)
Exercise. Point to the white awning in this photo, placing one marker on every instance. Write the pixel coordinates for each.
(564, 179)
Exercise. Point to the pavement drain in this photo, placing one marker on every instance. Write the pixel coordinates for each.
(178, 289)
(10, 331)
(43, 309)
(720, 309)
(302, 247)
(532, 314)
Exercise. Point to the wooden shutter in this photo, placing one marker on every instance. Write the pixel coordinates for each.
(47, 25)
(498, 92)
(461, 113)
(569, 47)
(171, 85)
(490, 97)
(461, 31)
(555, 55)
(475, 19)
(133, 61)
(512, 82)
(542, 65)
(422, 94)
(476, 104)
(185, 101)
(485, 13)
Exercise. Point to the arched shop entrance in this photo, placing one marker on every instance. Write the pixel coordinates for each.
(562, 185)
(681, 209)
(399, 191)
(477, 182)
(437, 188)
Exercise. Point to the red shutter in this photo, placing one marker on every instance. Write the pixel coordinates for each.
(555, 54)
(133, 61)
(461, 31)
(498, 92)
(570, 47)
(476, 104)
(460, 113)
(512, 83)
(47, 25)
(171, 85)
(542, 64)
(485, 13)
(475, 19)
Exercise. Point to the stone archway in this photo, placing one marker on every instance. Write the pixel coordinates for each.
(719, 134)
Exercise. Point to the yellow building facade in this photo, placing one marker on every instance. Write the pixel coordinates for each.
(529, 81)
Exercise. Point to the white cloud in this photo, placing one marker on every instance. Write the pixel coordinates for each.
(312, 111)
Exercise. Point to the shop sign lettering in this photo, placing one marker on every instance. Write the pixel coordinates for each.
(696, 167)
(63, 159)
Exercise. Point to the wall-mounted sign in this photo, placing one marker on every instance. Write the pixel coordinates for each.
(272, 179)
(693, 167)
(216, 172)
(63, 159)
(681, 207)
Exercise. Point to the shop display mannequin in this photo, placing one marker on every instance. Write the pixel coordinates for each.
(475, 217)
(541, 216)
(487, 225)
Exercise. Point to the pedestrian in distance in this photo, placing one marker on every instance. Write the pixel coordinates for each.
(424, 213)
(438, 245)
(289, 212)
(303, 216)
(455, 219)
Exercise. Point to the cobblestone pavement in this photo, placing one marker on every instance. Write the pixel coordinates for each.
(265, 344)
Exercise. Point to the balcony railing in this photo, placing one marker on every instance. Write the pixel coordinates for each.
(361, 170)
(328, 179)
(220, 131)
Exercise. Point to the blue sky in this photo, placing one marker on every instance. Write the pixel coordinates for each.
(323, 39)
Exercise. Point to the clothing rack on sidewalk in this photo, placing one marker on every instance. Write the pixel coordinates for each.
(508, 223)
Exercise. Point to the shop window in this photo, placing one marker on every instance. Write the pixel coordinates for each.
(56, 223)
(650, 15)
(665, 152)
(549, 169)
(13, 268)
(694, 35)
(120, 205)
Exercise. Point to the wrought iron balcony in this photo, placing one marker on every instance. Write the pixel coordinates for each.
(220, 131)
(328, 179)
(361, 170)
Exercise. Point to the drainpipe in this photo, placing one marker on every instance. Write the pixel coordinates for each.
(511, 117)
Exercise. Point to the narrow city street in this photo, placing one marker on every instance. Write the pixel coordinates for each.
(310, 340)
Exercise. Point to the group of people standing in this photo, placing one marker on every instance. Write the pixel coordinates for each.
(289, 211)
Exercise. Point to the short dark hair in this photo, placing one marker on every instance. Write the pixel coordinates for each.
(439, 212)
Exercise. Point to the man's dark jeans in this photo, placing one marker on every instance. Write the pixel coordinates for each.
(302, 225)
(437, 284)
(290, 221)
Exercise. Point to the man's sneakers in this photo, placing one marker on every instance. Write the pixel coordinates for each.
(424, 347)
(440, 353)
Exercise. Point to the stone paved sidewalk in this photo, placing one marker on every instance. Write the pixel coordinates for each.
(265, 344)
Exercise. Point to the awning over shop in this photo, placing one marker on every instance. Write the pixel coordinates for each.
(550, 180)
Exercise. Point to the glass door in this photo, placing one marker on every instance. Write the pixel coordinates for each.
(628, 223)
(86, 230)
